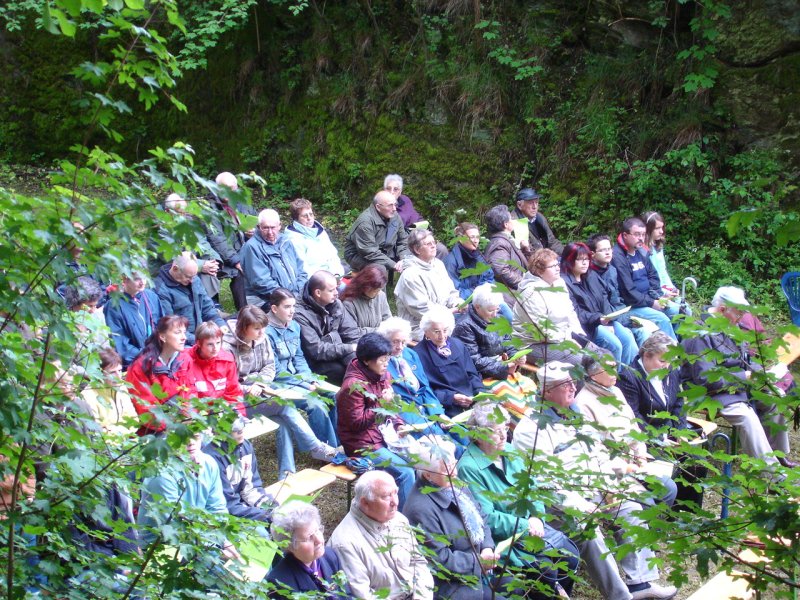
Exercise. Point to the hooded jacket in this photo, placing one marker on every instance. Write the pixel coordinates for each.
(255, 362)
(216, 378)
(544, 313)
(638, 281)
(314, 248)
(421, 285)
(460, 259)
(190, 301)
(268, 266)
(131, 320)
(173, 379)
(328, 335)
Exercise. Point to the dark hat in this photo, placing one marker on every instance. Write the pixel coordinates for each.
(527, 194)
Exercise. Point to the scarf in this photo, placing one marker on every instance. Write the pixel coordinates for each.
(311, 232)
(169, 369)
(469, 512)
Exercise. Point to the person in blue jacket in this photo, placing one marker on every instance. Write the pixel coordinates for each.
(241, 482)
(132, 316)
(409, 380)
(181, 293)
(270, 261)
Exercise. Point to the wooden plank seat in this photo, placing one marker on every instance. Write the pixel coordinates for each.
(345, 474)
(303, 483)
(258, 426)
(733, 585)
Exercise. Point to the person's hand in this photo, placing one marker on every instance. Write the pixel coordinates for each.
(535, 527)
(230, 552)
(488, 558)
(210, 267)
(312, 387)
(257, 389)
(238, 266)
(398, 266)
(524, 245)
(604, 321)
(387, 395)
(657, 305)
(462, 400)
(512, 368)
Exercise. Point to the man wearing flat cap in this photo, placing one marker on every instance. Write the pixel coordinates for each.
(723, 367)
(540, 234)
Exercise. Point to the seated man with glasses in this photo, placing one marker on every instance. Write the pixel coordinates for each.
(378, 236)
(638, 280)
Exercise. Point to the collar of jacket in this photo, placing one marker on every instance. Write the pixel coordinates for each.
(223, 356)
(313, 232)
(425, 266)
(331, 310)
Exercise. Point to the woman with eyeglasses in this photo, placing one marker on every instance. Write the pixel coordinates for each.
(307, 565)
(424, 282)
(544, 316)
(592, 303)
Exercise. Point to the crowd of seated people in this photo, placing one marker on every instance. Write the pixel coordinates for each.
(298, 325)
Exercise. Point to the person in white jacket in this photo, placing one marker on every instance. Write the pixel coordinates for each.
(310, 240)
(424, 282)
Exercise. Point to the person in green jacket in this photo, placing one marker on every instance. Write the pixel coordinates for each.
(492, 469)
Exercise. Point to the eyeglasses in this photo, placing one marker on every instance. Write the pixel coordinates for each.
(388, 205)
(394, 188)
(553, 266)
(320, 531)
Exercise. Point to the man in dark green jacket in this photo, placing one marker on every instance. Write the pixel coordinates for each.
(378, 236)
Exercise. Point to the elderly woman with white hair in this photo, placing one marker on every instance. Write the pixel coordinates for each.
(409, 380)
(424, 282)
(307, 565)
(494, 472)
(450, 369)
(488, 349)
(450, 512)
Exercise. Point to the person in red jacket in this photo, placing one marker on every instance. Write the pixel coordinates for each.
(162, 361)
(212, 370)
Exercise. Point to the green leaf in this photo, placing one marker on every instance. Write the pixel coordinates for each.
(68, 27)
(135, 4)
(47, 20)
(247, 222)
(73, 7)
(96, 6)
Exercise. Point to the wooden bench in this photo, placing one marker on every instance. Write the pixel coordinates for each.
(259, 426)
(345, 474)
(730, 586)
(303, 483)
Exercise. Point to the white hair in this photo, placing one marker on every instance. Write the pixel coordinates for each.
(268, 214)
(365, 486)
(173, 200)
(394, 325)
(484, 296)
(488, 414)
(434, 451)
(289, 517)
(393, 177)
(228, 180)
(438, 314)
(183, 260)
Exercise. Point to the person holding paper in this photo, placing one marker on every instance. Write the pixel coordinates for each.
(509, 262)
(591, 300)
(491, 469)
(540, 235)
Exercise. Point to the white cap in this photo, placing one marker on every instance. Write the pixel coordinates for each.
(729, 294)
(554, 372)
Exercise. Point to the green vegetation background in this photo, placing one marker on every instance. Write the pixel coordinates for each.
(609, 108)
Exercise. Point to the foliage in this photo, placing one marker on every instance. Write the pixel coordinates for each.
(340, 112)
